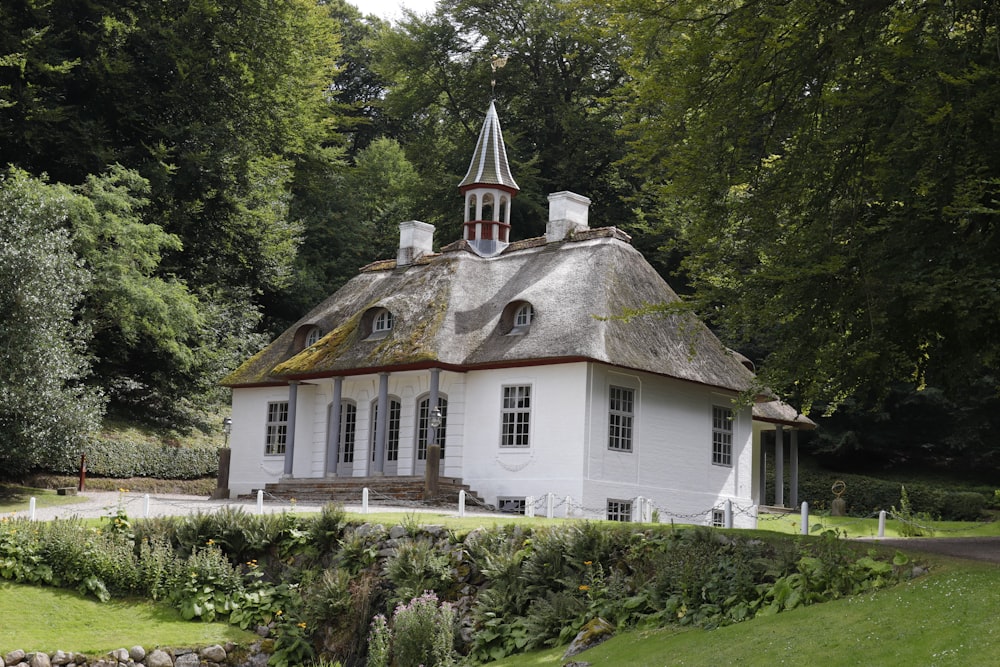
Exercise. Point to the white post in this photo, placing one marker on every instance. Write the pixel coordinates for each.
(805, 518)
(529, 506)
(461, 502)
(569, 506)
(145, 508)
(260, 501)
(881, 523)
(31, 508)
(550, 505)
(727, 514)
(364, 500)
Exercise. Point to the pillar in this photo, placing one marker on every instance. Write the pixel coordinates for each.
(779, 466)
(333, 428)
(381, 428)
(793, 463)
(293, 399)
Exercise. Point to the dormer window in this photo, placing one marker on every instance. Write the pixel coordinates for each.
(517, 318)
(377, 323)
(383, 322)
(522, 318)
(313, 336)
(306, 335)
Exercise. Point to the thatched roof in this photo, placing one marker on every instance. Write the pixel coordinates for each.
(449, 312)
(776, 412)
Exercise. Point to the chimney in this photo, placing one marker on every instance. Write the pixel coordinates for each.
(567, 214)
(416, 239)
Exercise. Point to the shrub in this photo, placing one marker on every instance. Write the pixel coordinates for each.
(963, 506)
(423, 633)
(125, 458)
(418, 566)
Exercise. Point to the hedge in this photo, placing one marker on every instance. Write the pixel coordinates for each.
(124, 458)
(865, 496)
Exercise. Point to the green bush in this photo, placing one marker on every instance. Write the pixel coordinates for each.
(866, 496)
(123, 458)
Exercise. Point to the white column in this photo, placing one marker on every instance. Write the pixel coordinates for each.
(293, 399)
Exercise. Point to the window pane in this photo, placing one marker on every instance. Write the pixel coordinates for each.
(515, 416)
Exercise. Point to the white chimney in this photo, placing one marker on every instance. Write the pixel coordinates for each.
(567, 214)
(416, 239)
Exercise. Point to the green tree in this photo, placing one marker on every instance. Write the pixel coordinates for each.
(554, 95)
(46, 408)
(834, 172)
(219, 106)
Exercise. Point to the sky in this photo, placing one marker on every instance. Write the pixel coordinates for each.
(390, 9)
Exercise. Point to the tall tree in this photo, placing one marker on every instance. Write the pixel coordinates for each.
(46, 408)
(834, 170)
(554, 95)
(219, 106)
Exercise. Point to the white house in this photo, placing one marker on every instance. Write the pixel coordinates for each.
(520, 360)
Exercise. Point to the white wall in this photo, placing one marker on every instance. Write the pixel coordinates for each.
(554, 460)
(249, 468)
(671, 460)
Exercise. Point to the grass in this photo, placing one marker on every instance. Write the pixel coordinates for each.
(51, 618)
(864, 527)
(16, 498)
(945, 618)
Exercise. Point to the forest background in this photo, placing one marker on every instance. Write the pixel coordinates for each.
(821, 181)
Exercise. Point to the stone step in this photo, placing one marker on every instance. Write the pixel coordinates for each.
(382, 490)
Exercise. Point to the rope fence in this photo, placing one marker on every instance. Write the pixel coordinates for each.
(549, 505)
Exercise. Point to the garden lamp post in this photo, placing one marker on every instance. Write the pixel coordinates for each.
(227, 428)
(225, 455)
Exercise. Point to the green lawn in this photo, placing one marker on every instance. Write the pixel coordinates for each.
(17, 498)
(948, 617)
(856, 527)
(48, 619)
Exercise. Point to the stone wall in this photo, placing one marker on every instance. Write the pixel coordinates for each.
(137, 656)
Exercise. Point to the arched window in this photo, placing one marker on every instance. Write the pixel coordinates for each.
(313, 336)
(377, 323)
(503, 210)
(470, 210)
(392, 429)
(487, 207)
(517, 318)
(348, 429)
(424, 414)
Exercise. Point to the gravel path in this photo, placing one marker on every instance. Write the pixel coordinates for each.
(971, 548)
(97, 504)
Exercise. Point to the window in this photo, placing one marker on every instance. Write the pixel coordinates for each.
(516, 318)
(722, 436)
(392, 430)
(619, 510)
(313, 336)
(621, 412)
(277, 428)
(511, 504)
(348, 429)
(515, 416)
(522, 318)
(718, 518)
(383, 322)
(424, 426)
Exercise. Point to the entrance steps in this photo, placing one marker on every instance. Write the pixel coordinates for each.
(382, 490)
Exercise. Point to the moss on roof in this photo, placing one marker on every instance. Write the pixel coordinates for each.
(448, 309)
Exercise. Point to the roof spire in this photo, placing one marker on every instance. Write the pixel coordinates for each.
(488, 187)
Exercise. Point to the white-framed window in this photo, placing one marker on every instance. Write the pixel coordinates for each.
(718, 518)
(383, 322)
(722, 436)
(392, 429)
(277, 428)
(523, 316)
(511, 504)
(424, 425)
(348, 430)
(619, 510)
(515, 422)
(313, 336)
(621, 416)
